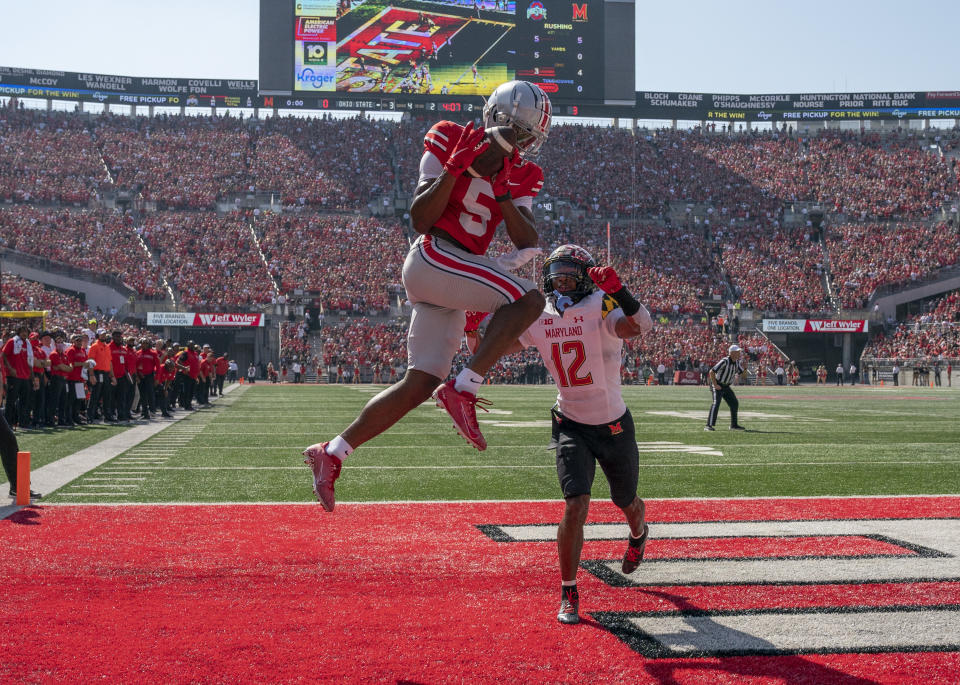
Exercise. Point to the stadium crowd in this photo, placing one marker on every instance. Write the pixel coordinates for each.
(100, 241)
(360, 257)
(735, 247)
(213, 259)
(932, 335)
(864, 257)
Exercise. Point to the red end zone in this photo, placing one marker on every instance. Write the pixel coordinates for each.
(420, 592)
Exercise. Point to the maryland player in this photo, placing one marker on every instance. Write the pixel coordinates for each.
(457, 212)
(580, 336)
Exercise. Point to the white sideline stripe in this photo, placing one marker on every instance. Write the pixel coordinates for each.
(50, 478)
(451, 467)
(378, 503)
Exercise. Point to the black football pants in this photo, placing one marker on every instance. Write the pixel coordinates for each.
(8, 451)
(17, 411)
(725, 393)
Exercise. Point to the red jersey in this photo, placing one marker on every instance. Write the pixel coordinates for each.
(39, 355)
(147, 362)
(191, 360)
(56, 359)
(15, 350)
(206, 366)
(122, 362)
(223, 365)
(472, 215)
(73, 355)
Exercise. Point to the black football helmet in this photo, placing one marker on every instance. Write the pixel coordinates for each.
(569, 260)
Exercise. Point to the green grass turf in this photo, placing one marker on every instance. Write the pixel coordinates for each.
(809, 441)
(50, 444)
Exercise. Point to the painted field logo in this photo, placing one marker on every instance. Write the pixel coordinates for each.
(737, 588)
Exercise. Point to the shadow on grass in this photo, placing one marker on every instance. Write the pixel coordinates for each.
(28, 516)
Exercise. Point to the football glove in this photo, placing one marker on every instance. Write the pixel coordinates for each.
(470, 146)
(606, 278)
(501, 180)
(474, 319)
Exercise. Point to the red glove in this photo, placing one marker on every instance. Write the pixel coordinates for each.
(470, 145)
(501, 181)
(474, 319)
(606, 278)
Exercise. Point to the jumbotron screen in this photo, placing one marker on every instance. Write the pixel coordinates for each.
(578, 52)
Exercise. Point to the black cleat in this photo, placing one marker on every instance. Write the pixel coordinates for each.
(569, 605)
(708, 428)
(738, 427)
(33, 494)
(634, 553)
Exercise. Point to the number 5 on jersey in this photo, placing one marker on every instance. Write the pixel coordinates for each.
(477, 215)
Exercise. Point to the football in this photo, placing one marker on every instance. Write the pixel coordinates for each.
(502, 140)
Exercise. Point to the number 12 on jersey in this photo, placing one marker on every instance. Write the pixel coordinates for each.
(568, 373)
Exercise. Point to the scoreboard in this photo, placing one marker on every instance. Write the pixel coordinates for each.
(562, 49)
(444, 55)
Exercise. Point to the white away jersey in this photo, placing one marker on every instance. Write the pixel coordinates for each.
(582, 351)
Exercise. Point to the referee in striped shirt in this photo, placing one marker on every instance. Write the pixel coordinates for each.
(721, 376)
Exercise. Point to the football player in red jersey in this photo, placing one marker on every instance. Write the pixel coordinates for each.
(456, 212)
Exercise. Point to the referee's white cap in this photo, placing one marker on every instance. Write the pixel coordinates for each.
(733, 348)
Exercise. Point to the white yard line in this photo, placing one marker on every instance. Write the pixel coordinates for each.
(454, 467)
(53, 476)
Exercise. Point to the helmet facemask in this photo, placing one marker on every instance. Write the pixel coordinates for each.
(566, 279)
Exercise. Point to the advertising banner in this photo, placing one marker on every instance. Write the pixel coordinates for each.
(835, 326)
(783, 325)
(815, 326)
(686, 378)
(798, 106)
(204, 320)
(130, 90)
(315, 46)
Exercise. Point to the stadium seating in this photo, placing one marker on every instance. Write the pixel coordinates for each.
(48, 158)
(351, 260)
(932, 335)
(212, 260)
(864, 257)
(99, 241)
(880, 191)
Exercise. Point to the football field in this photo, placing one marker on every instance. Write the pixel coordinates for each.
(802, 441)
(821, 546)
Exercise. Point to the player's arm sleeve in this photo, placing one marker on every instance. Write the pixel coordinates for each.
(611, 314)
(526, 339)
(528, 186)
(430, 167)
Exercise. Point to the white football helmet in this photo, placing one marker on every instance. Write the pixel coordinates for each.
(526, 108)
